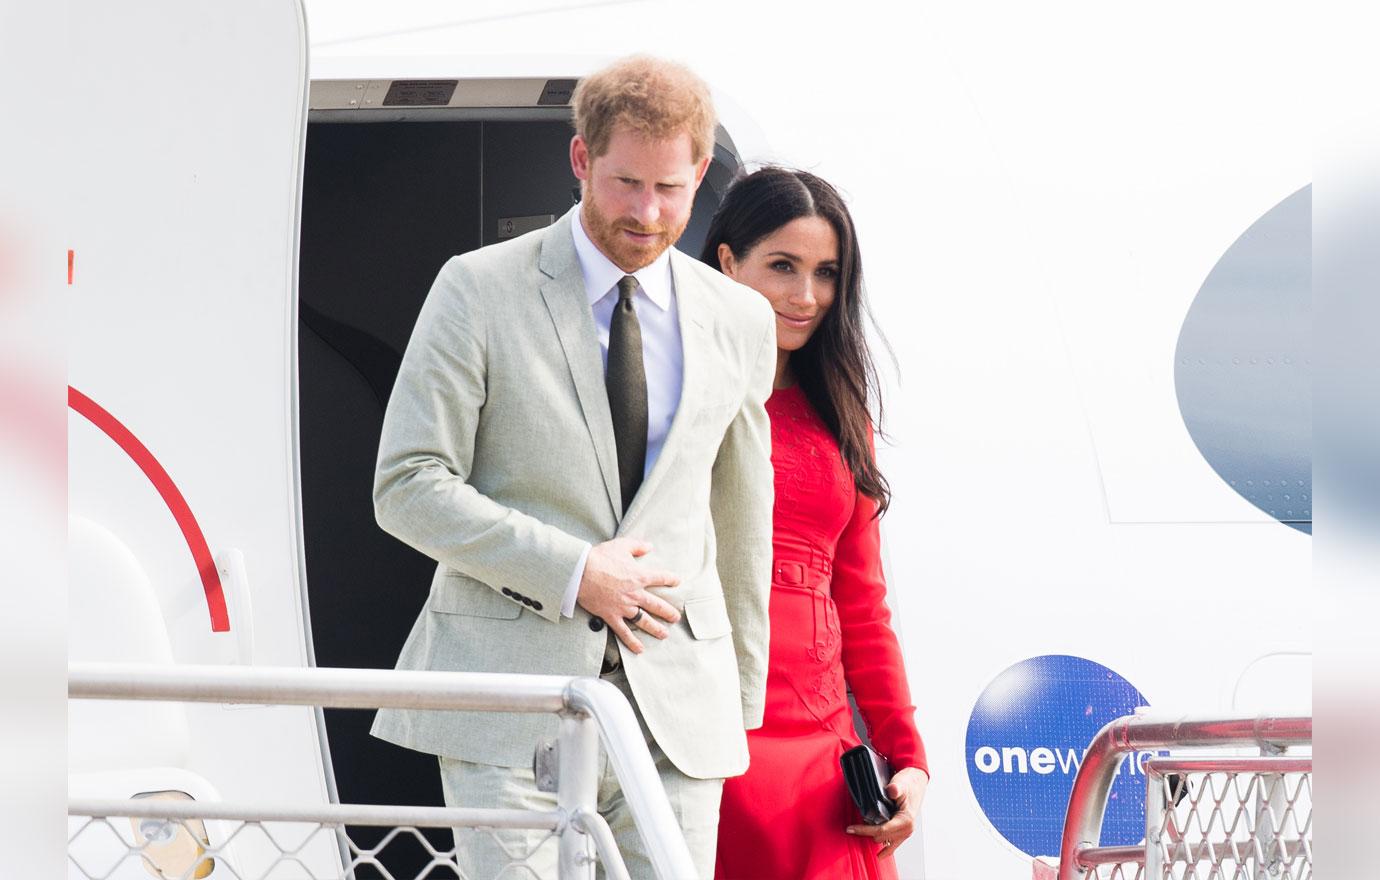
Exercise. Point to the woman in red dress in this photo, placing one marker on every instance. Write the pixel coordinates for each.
(788, 235)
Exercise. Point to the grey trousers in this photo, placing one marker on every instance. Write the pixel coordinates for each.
(527, 854)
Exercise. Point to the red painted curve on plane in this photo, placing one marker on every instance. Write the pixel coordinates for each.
(181, 511)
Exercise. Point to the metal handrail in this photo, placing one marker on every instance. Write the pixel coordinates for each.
(318, 814)
(1263, 764)
(1132, 733)
(581, 703)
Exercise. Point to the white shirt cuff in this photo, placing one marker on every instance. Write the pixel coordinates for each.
(572, 589)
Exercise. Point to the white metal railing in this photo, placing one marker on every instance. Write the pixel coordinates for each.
(589, 710)
(1206, 818)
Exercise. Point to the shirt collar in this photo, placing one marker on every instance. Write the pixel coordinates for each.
(602, 276)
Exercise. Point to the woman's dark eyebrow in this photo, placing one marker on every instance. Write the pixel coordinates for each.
(792, 257)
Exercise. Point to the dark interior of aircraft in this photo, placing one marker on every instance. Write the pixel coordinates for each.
(384, 205)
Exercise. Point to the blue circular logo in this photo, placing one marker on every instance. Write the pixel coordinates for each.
(1026, 739)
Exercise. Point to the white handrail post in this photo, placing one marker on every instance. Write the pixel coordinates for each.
(1156, 803)
(577, 757)
(1270, 808)
(657, 824)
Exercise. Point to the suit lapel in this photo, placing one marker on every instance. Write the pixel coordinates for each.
(564, 294)
(695, 322)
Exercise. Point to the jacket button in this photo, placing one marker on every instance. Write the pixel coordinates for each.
(536, 606)
(596, 623)
(526, 601)
(507, 592)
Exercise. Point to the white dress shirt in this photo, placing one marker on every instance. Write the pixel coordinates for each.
(662, 357)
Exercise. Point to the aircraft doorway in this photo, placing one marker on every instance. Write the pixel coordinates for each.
(384, 205)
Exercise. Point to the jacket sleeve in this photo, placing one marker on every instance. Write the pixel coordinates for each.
(871, 654)
(426, 450)
(741, 496)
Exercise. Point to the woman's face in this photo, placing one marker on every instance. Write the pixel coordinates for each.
(797, 269)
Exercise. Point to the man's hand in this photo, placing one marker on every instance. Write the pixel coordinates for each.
(614, 587)
(907, 789)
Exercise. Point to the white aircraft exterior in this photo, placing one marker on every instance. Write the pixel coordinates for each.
(1055, 208)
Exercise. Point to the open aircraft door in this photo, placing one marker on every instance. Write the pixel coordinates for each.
(408, 162)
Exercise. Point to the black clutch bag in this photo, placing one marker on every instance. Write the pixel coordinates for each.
(866, 774)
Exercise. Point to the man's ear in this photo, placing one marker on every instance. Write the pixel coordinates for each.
(699, 172)
(579, 158)
(727, 264)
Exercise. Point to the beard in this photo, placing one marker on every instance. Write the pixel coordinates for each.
(625, 254)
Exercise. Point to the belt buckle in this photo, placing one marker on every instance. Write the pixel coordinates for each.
(789, 572)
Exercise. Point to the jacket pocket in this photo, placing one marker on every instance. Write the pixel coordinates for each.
(708, 617)
(457, 594)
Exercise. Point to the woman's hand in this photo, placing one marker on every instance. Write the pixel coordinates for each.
(907, 789)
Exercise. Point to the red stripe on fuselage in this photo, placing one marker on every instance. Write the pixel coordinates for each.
(182, 513)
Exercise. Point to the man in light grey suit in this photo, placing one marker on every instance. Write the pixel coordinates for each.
(578, 436)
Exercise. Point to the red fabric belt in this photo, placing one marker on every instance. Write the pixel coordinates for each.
(801, 566)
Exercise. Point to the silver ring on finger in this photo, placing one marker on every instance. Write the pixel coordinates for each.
(635, 618)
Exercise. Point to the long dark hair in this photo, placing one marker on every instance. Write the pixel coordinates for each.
(834, 368)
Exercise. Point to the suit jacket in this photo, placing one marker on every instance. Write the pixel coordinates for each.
(497, 459)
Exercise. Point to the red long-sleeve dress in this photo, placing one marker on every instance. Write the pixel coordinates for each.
(785, 817)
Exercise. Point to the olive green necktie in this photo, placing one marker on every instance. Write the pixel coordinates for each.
(626, 383)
